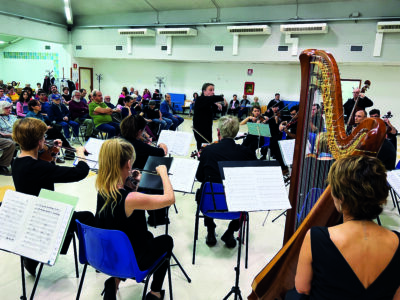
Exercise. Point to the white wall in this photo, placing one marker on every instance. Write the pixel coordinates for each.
(29, 70)
(100, 43)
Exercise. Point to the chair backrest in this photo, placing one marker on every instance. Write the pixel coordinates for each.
(213, 202)
(312, 197)
(108, 251)
(398, 165)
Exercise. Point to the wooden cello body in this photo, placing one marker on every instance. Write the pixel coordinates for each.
(320, 81)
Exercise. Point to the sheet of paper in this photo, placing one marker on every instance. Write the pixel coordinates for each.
(287, 150)
(255, 189)
(178, 143)
(93, 147)
(33, 227)
(393, 177)
(183, 173)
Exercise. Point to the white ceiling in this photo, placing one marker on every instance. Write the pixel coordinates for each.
(103, 7)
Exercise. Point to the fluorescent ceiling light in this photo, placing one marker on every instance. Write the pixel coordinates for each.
(68, 11)
(2, 42)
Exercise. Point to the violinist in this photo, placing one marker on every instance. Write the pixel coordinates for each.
(253, 142)
(363, 102)
(290, 128)
(392, 131)
(30, 174)
(52, 133)
(273, 119)
(208, 171)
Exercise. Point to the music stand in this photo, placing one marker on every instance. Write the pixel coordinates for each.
(152, 182)
(240, 164)
(259, 129)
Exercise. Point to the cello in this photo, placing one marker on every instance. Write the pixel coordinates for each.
(278, 276)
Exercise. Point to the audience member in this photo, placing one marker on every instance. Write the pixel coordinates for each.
(59, 114)
(167, 111)
(243, 109)
(101, 115)
(128, 109)
(6, 119)
(233, 106)
(66, 96)
(22, 104)
(55, 95)
(153, 114)
(193, 103)
(12, 94)
(107, 101)
(4, 97)
(276, 102)
(7, 147)
(83, 95)
(80, 113)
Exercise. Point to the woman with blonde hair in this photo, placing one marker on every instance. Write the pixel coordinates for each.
(121, 207)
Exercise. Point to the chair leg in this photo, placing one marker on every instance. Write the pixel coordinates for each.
(81, 282)
(196, 232)
(75, 256)
(170, 281)
(146, 283)
(247, 241)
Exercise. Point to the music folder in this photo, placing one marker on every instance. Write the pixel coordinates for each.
(153, 181)
(259, 129)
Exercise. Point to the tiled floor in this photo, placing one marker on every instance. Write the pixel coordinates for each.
(212, 276)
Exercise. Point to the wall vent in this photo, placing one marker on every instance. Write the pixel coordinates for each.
(177, 31)
(47, 47)
(249, 30)
(164, 48)
(356, 48)
(305, 28)
(386, 27)
(283, 48)
(118, 48)
(137, 32)
(219, 48)
(78, 47)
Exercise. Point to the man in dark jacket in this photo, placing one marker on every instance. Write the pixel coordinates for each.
(59, 114)
(208, 171)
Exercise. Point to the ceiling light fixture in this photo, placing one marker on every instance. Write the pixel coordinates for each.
(2, 42)
(68, 11)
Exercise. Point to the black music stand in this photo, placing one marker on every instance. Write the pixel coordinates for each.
(151, 182)
(244, 214)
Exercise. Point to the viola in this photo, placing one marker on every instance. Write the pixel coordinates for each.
(197, 154)
(49, 152)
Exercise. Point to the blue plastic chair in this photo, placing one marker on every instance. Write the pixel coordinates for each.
(111, 252)
(213, 204)
(312, 197)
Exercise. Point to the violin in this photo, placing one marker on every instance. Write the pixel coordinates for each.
(49, 151)
(293, 121)
(196, 154)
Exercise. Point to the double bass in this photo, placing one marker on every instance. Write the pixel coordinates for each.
(319, 81)
(356, 108)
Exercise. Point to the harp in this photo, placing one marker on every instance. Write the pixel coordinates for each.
(320, 84)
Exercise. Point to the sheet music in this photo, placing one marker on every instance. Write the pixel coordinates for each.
(33, 227)
(93, 147)
(287, 150)
(183, 173)
(255, 189)
(393, 177)
(178, 143)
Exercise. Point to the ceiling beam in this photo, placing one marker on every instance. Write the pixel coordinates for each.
(155, 9)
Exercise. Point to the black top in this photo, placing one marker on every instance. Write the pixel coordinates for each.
(274, 102)
(225, 150)
(143, 151)
(334, 279)
(203, 114)
(362, 104)
(387, 155)
(151, 113)
(31, 175)
(134, 226)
